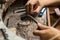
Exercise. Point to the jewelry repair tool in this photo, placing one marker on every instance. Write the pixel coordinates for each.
(33, 19)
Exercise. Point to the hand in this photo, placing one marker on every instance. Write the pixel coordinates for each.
(36, 5)
(46, 32)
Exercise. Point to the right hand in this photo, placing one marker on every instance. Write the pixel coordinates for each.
(46, 32)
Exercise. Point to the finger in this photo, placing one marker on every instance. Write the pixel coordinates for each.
(31, 8)
(57, 11)
(27, 8)
(38, 9)
(27, 3)
(42, 26)
(35, 6)
(39, 32)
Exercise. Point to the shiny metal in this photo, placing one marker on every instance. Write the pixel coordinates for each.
(33, 19)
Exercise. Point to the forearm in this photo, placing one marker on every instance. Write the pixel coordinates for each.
(49, 2)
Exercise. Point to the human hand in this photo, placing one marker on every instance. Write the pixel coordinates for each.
(34, 6)
(46, 32)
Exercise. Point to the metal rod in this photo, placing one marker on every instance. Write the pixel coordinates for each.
(56, 22)
(33, 19)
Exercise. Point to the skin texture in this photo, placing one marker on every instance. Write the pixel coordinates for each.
(36, 5)
(45, 32)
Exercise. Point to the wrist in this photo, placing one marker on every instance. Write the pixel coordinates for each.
(56, 37)
(48, 2)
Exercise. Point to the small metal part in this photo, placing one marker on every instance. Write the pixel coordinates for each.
(20, 9)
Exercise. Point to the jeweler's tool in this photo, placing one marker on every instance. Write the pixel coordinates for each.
(20, 9)
(33, 19)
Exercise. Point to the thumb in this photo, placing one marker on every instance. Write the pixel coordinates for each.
(39, 32)
(42, 26)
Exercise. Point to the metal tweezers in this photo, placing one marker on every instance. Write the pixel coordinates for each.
(33, 19)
